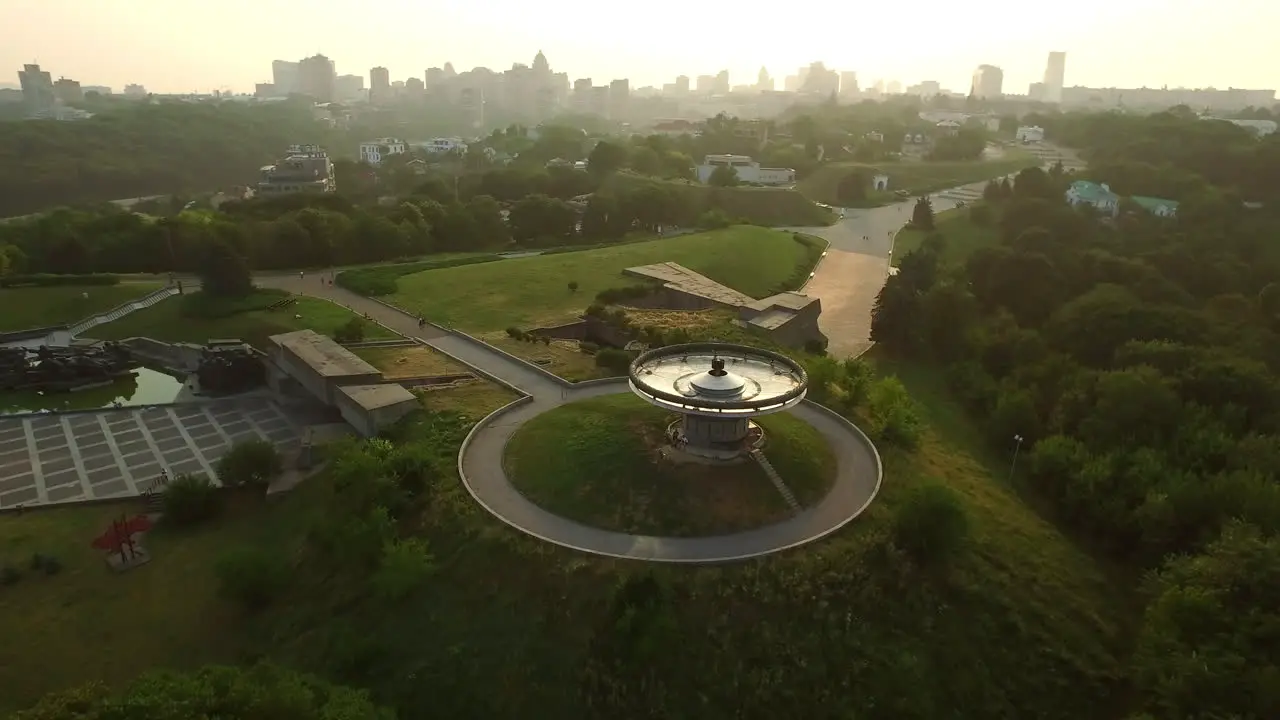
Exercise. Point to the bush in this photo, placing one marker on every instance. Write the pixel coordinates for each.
(573, 286)
(613, 296)
(713, 220)
(931, 526)
(45, 564)
(51, 280)
(814, 346)
(893, 413)
(190, 499)
(613, 359)
(352, 331)
(252, 462)
(515, 333)
(9, 575)
(403, 567)
(251, 577)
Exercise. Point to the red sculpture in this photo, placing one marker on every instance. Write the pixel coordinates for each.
(120, 535)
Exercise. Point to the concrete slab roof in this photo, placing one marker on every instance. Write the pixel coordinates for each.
(679, 277)
(322, 354)
(377, 397)
(793, 301)
(773, 318)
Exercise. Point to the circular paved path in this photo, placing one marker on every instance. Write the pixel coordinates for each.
(480, 464)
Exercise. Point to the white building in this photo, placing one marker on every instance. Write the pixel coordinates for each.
(442, 145)
(1030, 134)
(375, 151)
(1259, 127)
(749, 171)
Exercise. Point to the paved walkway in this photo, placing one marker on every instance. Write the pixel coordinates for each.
(481, 467)
(857, 263)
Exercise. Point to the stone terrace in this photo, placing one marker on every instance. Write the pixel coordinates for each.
(74, 457)
(681, 278)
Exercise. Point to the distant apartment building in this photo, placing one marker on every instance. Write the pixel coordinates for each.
(925, 89)
(133, 90)
(763, 81)
(375, 151)
(1036, 91)
(748, 170)
(1162, 98)
(379, 86)
(265, 90)
(316, 77)
(67, 90)
(1260, 128)
(1055, 73)
(721, 86)
(37, 89)
(848, 83)
(988, 82)
(706, 84)
(286, 77)
(414, 88)
(100, 89)
(820, 81)
(682, 84)
(441, 145)
(348, 88)
(304, 169)
(619, 98)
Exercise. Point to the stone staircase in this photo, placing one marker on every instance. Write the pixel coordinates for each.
(962, 194)
(121, 311)
(776, 479)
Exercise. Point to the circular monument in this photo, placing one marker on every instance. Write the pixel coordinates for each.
(717, 388)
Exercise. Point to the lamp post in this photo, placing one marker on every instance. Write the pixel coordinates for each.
(1017, 439)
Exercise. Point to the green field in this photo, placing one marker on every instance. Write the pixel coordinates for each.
(916, 178)
(532, 291)
(773, 207)
(962, 235)
(28, 308)
(166, 321)
(608, 474)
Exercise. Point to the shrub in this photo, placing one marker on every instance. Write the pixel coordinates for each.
(713, 220)
(190, 499)
(252, 462)
(352, 331)
(403, 567)
(45, 564)
(814, 346)
(515, 333)
(573, 286)
(9, 575)
(893, 414)
(931, 525)
(613, 359)
(613, 296)
(51, 280)
(251, 577)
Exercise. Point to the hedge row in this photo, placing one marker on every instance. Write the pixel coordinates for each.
(378, 281)
(50, 280)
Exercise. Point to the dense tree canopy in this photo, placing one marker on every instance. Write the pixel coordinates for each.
(139, 149)
(227, 693)
(1137, 359)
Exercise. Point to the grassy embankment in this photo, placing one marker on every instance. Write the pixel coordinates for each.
(28, 308)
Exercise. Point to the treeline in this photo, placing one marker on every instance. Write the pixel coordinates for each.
(1172, 154)
(140, 149)
(1133, 363)
(311, 231)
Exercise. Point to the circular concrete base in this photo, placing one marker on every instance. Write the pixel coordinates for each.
(480, 464)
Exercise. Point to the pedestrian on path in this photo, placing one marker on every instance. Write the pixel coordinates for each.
(301, 274)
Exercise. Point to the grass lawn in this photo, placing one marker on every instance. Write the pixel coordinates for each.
(473, 398)
(561, 357)
(88, 623)
(532, 291)
(28, 308)
(165, 321)
(916, 178)
(410, 361)
(597, 462)
(963, 236)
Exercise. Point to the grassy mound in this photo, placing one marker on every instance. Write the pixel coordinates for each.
(917, 178)
(605, 471)
(187, 319)
(533, 291)
(28, 308)
(963, 236)
(775, 207)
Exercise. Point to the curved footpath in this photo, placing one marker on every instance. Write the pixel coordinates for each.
(480, 463)
(480, 460)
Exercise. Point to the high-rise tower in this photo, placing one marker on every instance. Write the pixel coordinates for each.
(1054, 74)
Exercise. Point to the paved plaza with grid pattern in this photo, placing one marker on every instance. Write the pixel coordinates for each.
(74, 457)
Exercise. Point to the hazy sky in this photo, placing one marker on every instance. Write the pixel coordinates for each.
(182, 45)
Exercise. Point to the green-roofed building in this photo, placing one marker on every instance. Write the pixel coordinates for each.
(1157, 206)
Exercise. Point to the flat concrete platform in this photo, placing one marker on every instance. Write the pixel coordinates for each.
(75, 457)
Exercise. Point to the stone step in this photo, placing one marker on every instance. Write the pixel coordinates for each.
(776, 479)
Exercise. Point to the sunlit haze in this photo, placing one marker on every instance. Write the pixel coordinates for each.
(185, 46)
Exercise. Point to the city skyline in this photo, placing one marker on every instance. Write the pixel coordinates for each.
(234, 48)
